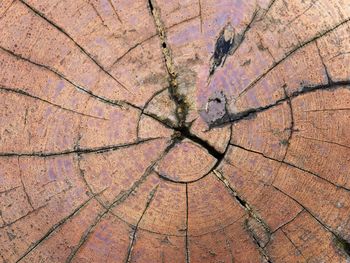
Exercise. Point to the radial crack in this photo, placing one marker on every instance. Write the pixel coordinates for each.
(295, 246)
(56, 227)
(240, 200)
(133, 239)
(115, 11)
(330, 142)
(329, 80)
(37, 12)
(179, 99)
(187, 247)
(288, 222)
(292, 123)
(291, 165)
(252, 214)
(246, 114)
(288, 54)
(5, 11)
(345, 244)
(77, 86)
(122, 196)
(23, 186)
(200, 14)
(8, 224)
(22, 92)
(79, 150)
(131, 49)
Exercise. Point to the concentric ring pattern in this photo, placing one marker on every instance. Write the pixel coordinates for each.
(174, 131)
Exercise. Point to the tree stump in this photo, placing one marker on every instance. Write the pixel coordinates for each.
(174, 131)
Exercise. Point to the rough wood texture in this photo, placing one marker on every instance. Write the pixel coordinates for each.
(174, 131)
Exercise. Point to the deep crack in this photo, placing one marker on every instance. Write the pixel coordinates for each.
(180, 100)
(230, 118)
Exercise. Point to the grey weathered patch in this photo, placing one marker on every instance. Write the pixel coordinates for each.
(215, 108)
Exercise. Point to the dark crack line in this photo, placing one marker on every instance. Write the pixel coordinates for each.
(168, 179)
(133, 239)
(257, 243)
(246, 114)
(339, 54)
(200, 15)
(327, 109)
(236, 117)
(118, 200)
(79, 150)
(218, 229)
(325, 226)
(97, 13)
(187, 247)
(84, 237)
(82, 173)
(301, 14)
(8, 224)
(165, 122)
(56, 227)
(148, 230)
(245, 31)
(325, 141)
(5, 192)
(318, 36)
(153, 116)
(217, 163)
(343, 244)
(78, 87)
(149, 38)
(243, 203)
(115, 11)
(185, 132)
(288, 222)
(249, 211)
(179, 99)
(292, 123)
(264, 48)
(183, 21)
(23, 186)
(38, 13)
(270, 6)
(22, 92)
(131, 49)
(5, 11)
(329, 80)
(291, 165)
(295, 246)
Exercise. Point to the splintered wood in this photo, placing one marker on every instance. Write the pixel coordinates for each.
(174, 131)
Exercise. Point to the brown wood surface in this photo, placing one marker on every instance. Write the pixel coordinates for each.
(174, 131)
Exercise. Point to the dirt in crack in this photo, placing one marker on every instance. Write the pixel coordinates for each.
(182, 107)
(179, 99)
(342, 244)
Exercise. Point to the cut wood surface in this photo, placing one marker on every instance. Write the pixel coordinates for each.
(174, 131)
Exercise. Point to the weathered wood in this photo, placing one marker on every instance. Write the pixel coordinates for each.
(174, 131)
